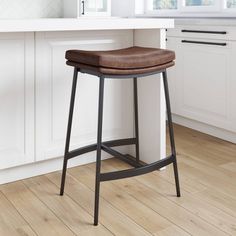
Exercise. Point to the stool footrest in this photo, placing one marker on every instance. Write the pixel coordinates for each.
(120, 142)
(93, 147)
(81, 151)
(120, 156)
(137, 171)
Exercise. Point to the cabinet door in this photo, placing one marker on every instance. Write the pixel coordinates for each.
(232, 88)
(53, 88)
(201, 82)
(95, 7)
(16, 99)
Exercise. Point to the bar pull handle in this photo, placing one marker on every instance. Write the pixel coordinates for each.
(202, 42)
(203, 31)
(83, 7)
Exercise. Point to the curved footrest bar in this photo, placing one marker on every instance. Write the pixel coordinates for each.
(81, 151)
(137, 171)
(93, 147)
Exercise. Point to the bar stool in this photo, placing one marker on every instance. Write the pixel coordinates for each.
(133, 62)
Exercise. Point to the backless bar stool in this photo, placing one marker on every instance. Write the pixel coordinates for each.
(133, 62)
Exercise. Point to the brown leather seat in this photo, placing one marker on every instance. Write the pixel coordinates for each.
(133, 60)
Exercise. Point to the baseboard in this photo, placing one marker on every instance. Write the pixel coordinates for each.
(44, 167)
(205, 128)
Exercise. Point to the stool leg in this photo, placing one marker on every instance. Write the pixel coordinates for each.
(136, 119)
(68, 135)
(99, 149)
(171, 132)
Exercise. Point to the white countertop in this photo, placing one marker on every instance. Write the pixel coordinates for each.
(206, 21)
(65, 24)
(216, 21)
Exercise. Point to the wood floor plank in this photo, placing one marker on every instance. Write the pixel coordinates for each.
(198, 206)
(209, 149)
(38, 216)
(220, 200)
(208, 168)
(205, 177)
(140, 206)
(72, 215)
(11, 222)
(178, 215)
(138, 212)
(211, 194)
(112, 219)
(229, 166)
(172, 231)
(190, 185)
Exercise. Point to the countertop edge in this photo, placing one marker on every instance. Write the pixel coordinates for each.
(57, 24)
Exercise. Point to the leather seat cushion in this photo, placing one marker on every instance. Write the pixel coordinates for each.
(112, 71)
(122, 59)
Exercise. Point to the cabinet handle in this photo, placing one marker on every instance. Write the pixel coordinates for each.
(201, 42)
(203, 31)
(83, 7)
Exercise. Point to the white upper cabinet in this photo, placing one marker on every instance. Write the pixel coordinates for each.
(95, 7)
(16, 99)
(86, 8)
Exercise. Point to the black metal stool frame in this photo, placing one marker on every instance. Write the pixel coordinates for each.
(139, 167)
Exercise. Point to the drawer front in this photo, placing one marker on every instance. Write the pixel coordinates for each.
(203, 82)
(203, 32)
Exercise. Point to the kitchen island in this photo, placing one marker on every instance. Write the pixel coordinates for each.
(35, 90)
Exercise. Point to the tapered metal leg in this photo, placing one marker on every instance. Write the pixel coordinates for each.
(67, 146)
(171, 132)
(136, 119)
(99, 148)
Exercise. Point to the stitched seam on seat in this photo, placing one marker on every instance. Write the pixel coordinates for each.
(115, 68)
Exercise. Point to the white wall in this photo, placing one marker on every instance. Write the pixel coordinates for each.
(11, 9)
(70, 8)
(30, 8)
(127, 8)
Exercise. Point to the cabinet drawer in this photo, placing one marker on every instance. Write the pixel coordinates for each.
(203, 81)
(204, 32)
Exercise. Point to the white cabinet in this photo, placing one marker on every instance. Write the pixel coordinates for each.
(16, 99)
(35, 89)
(53, 88)
(81, 8)
(203, 81)
(95, 8)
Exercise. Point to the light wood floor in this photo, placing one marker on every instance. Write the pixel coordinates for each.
(144, 205)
